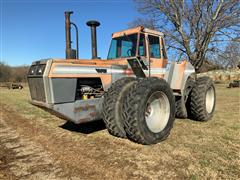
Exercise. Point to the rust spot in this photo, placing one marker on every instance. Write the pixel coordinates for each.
(84, 108)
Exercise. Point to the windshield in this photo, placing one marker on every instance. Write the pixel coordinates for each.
(122, 47)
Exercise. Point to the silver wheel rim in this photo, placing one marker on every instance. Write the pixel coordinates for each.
(210, 99)
(157, 112)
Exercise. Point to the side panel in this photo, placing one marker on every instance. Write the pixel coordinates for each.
(63, 89)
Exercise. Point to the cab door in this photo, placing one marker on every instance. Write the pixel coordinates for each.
(156, 54)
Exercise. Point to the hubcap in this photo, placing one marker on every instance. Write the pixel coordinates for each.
(210, 99)
(157, 112)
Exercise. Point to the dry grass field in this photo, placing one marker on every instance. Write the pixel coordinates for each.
(37, 145)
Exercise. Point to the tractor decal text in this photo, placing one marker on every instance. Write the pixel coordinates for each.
(101, 70)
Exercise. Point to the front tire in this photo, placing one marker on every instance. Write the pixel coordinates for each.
(202, 99)
(149, 111)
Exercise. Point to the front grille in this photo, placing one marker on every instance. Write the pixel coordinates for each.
(35, 81)
(36, 87)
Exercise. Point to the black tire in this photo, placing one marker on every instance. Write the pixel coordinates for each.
(180, 101)
(112, 106)
(201, 109)
(136, 104)
(181, 111)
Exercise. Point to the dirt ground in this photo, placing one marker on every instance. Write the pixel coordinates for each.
(37, 145)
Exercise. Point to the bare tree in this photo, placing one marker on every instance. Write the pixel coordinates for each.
(193, 28)
(230, 57)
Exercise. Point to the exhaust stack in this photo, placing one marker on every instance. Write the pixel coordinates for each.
(70, 53)
(93, 25)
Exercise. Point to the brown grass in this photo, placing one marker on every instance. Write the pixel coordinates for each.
(194, 150)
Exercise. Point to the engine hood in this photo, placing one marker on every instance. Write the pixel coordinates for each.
(92, 62)
(95, 67)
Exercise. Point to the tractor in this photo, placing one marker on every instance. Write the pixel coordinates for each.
(136, 91)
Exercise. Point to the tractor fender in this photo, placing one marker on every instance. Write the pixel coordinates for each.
(178, 73)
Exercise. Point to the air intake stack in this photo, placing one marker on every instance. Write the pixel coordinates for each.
(93, 25)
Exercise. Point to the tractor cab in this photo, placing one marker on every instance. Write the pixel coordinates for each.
(139, 42)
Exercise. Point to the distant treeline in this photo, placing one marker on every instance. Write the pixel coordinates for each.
(13, 74)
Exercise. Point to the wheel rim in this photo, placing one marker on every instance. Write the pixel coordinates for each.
(210, 98)
(157, 112)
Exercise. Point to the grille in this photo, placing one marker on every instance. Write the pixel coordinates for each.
(35, 82)
(36, 87)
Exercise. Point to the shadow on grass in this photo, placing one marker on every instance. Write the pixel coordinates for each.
(85, 128)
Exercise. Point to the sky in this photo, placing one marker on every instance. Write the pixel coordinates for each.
(35, 29)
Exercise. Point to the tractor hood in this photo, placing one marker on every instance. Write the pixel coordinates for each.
(92, 62)
(86, 68)
(56, 84)
(50, 75)
(72, 68)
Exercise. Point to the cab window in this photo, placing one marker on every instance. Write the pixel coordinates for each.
(127, 49)
(122, 47)
(154, 46)
(113, 50)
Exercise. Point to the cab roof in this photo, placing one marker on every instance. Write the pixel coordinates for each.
(137, 30)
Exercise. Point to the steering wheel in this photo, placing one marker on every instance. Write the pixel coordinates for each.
(129, 52)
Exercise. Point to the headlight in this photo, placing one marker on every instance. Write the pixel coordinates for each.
(40, 69)
(32, 70)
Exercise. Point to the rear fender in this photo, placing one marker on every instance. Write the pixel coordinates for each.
(177, 75)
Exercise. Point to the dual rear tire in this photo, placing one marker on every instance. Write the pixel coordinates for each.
(143, 110)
